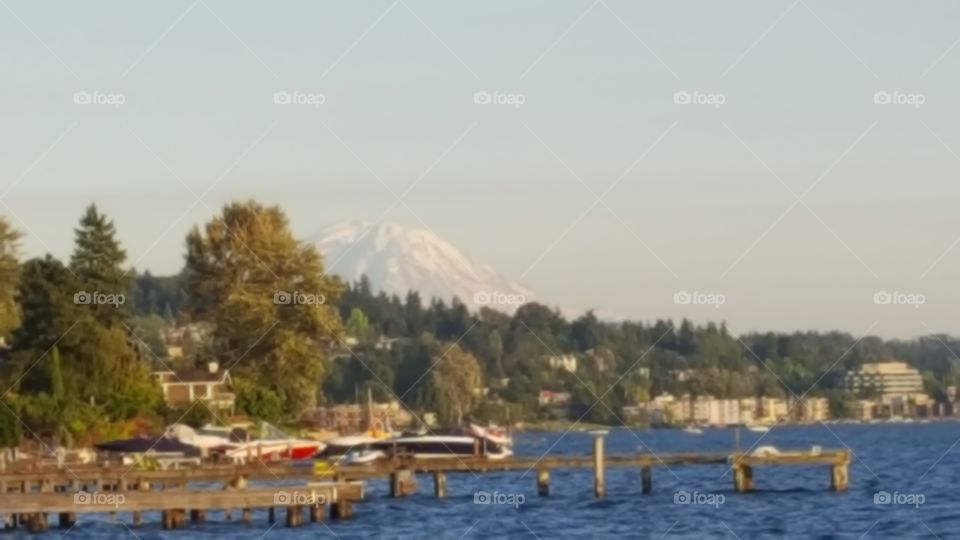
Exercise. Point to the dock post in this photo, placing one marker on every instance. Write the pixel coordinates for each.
(342, 509)
(742, 478)
(440, 484)
(37, 523)
(543, 482)
(599, 488)
(198, 516)
(271, 515)
(294, 516)
(646, 479)
(318, 512)
(402, 483)
(166, 519)
(138, 515)
(839, 477)
(246, 516)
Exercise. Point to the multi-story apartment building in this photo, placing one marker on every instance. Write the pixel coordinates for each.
(885, 379)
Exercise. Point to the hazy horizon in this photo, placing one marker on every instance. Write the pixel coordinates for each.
(818, 169)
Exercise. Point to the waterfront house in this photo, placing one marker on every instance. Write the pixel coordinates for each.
(210, 384)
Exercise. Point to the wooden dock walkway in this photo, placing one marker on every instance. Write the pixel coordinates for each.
(46, 490)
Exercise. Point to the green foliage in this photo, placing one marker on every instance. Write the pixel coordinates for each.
(271, 304)
(9, 274)
(195, 415)
(358, 326)
(257, 401)
(10, 428)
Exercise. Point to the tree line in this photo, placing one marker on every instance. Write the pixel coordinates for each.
(83, 335)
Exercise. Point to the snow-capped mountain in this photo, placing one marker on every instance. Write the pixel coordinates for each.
(398, 259)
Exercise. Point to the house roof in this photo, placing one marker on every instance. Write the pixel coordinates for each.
(197, 375)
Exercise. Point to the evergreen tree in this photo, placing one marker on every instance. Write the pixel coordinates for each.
(97, 261)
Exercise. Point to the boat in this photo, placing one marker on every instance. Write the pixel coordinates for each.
(338, 447)
(762, 451)
(143, 445)
(493, 433)
(275, 444)
(361, 457)
(205, 441)
(443, 446)
(757, 428)
(693, 430)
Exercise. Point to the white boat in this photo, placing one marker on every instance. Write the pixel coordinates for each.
(692, 430)
(443, 446)
(275, 444)
(758, 428)
(492, 433)
(188, 435)
(761, 451)
(361, 457)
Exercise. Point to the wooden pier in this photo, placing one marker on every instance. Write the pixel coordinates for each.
(328, 487)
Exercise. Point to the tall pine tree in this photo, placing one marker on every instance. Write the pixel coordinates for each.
(97, 261)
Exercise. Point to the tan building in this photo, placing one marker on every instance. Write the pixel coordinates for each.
(355, 418)
(772, 410)
(183, 387)
(812, 410)
(885, 379)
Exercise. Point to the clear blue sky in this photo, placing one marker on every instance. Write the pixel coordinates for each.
(704, 210)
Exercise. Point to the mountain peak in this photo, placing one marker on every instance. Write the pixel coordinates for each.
(398, 259)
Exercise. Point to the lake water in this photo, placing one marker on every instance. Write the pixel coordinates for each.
(916, 464)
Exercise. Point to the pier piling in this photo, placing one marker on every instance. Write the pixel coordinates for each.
(646, 479)
(742, 478)
(440, 484)
(839, 478)
(543, 482)
(599, 487)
